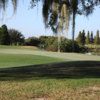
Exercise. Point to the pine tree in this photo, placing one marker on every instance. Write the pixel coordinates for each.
(4, 36)
(83, 37)
(88, 38)
(91, 38)
(97, 40)
(79, 38)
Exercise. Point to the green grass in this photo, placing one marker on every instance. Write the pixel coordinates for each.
(19, 47)
(15, 60)
(48, 77)
(63, 81)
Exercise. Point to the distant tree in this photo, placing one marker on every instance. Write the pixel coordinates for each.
(83, 37)
(43, 39)
(88, 38)
(32, 41)
(97, 39)
(79, 38)
(49, 41)
(16, 37)
(91, 38)
(4, 36)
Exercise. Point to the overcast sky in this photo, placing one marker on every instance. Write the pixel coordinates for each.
(30, 22)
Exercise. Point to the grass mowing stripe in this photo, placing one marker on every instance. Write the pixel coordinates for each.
(14, 60)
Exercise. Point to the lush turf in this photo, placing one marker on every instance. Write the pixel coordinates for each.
(73, 80)
(15, 60)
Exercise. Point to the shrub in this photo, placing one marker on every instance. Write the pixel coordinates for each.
(32, 41)
(49, 41)
(68, 46)
(83, 49)
(51, 48)
(51, 44)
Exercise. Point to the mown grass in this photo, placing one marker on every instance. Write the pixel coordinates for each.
(19, 47)
(14, 60)
(60, 80)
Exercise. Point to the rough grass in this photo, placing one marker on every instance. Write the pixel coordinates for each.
(63, 81)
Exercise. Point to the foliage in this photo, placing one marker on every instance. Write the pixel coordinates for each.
(91, 39)
(69, 46)
(51, 44)
(79, 38)
(66, 45)
(83, 49)
(16, 37)
(97, 39)
(46, 41)
(42, 40)
(88, 38)
(49, 41)
(83, 37)
(32, 41)
(51, 48)
(4, 36)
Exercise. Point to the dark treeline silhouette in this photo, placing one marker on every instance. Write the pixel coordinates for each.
(4, 35)
(10, 37)
(16, 37)
(83, 39)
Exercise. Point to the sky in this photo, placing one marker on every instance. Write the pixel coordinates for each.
(30, 21)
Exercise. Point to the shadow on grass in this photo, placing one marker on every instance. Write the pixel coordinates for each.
(73, 70)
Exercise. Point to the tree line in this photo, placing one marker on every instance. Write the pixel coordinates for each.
(84, 39)
(50, 43)
(15, 37)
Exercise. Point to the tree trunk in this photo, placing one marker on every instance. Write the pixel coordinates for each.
(73, 32)
(58, 42)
